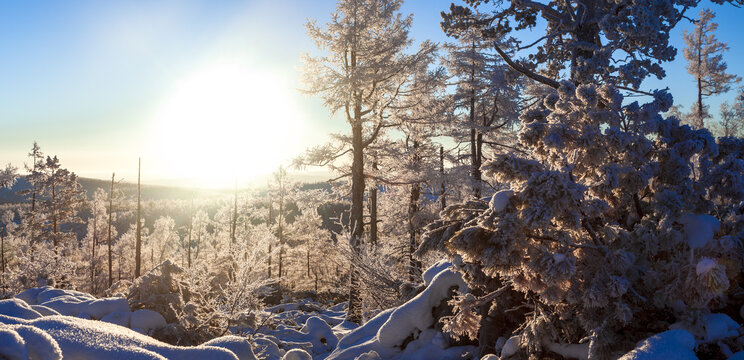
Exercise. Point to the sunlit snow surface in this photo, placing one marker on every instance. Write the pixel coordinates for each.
(48, 323)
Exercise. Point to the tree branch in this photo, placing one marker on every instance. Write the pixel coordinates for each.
(521, 69)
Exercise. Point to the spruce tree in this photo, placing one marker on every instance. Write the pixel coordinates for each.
(362, 73)
(704, 54)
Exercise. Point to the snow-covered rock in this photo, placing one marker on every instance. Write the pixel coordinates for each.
(101, 307)
(146, 320)
(267, 349)
(383, 336)
(415, 315)
(511, 346)
(500, 200)
(719, 326)
(239, 346)
(297, 354)
(699, 229)
(672, 344)
(570, 351)
(434, 270)
(121, 318)
(320, 335)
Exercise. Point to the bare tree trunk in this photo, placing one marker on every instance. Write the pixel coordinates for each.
(699, 123)
(2, 249)
(474, 166)
(280, 224)
(413, 208)
(316, 281)
(373, 209)
(443, 192)
(33, 200)
(356, 218)
(478, 162)
(191, 225)
(198, 243)
(93, 255)
(138, 243)
(111, 210)
(271, 220)
(118, 267)
(55, 240)
(235, 215)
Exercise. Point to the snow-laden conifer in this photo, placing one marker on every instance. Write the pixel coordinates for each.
(611, 230)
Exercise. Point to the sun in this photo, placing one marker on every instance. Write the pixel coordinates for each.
(222, 124)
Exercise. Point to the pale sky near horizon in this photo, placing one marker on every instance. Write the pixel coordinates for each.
(99, 83)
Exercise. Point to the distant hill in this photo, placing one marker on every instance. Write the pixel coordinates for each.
(149, 192)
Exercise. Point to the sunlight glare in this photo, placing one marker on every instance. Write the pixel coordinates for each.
(223, 124)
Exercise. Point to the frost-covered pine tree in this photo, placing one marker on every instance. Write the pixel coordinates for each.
(36, 175)
(63, 198)
(604, 232)
(8, 176)
(704, 54)
(485, 99)
(364, 67)
(8, 228)
(731, 122)
(280, 188)
(162, 242)
(92, 248)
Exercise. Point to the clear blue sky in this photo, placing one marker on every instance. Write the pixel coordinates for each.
(86, 78)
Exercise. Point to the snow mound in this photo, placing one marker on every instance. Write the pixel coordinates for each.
(26, 334)
(12, 345)
(267, 349)
(415, 315)
(239, 346)
(146, 320)
(18, 308)
(511, 346)
(320, 335)
(719, 326)
(500, 200)
(47, 300)
(121, 318)
(27, 342)
(43, 310)
(434, 270)
(387, 335)
(297, 354)
(699, 229)
(672, 344)
(704, 266)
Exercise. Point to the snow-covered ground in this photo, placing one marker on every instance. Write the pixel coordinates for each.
(49, 323)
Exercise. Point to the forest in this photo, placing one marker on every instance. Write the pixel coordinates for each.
(494, 196)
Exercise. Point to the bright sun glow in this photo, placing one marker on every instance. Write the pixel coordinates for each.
(222, 124)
